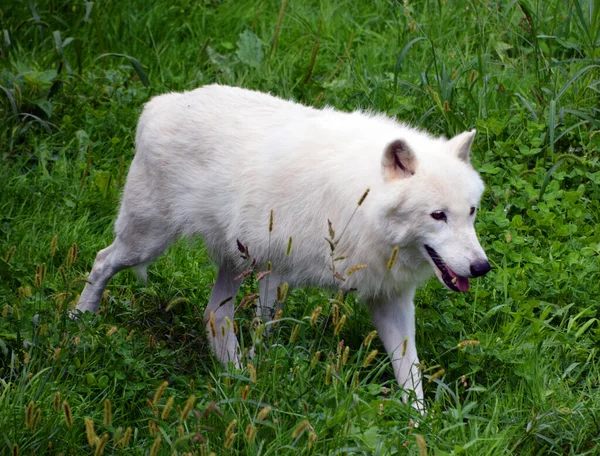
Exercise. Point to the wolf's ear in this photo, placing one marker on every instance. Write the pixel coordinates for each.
(398, 161)
(461, 144)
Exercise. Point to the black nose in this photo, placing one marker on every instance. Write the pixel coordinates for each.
(480, 268)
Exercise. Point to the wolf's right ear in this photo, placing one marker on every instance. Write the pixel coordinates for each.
(398, 161)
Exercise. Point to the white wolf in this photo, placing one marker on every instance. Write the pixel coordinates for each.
(217, 160)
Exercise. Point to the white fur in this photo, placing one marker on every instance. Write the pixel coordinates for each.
(215, 161)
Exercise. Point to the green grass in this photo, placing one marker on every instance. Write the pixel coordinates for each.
(73, 79)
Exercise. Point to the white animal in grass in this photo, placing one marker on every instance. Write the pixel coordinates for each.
(215, 161)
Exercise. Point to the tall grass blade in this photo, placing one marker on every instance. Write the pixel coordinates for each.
(574, 78)
(11, 100)
(134, 62)
(401, 56)
(527, 105)
(548, 176)
(551, 126)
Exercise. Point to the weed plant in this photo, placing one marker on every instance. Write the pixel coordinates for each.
(510, 367)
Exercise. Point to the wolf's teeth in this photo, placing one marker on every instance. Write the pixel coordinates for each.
(454, 280)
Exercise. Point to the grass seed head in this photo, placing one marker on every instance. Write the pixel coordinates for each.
(328, 374)
(331, 230)
(289, 247)
(101, 445)
(152, 427)
(404, 346)
(294, 334)
(252, 372)
(36, 418)
(392, 259)
(229, 441)
(230, 428)
(315, 359)
(245, 392)
(189, 405)
(353, 269)
(107, 412)
(364, 196)
(282, 291)
(92, 438)
(421, 444)
(251, 433)
(29, 415)
(370, 357)
(315, 315)
(152, 407)
(175, 302)
(159, 392)
(63, 274)
(355, 380)
(472, 76)
(345, 356)
(11, 252)
(211, 322)
(165, 413)
(468, 343)
(56, 402)
(264, 412)
(335, 314)
(37, 281)
(155, 446)
(72, 255)
(25, 292)
(271, 221)
(124, 441)
(67, 414)
(436, 375)
(300, 428)
(340, 325)
(370, 338)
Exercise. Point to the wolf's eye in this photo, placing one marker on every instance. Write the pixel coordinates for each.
(472, 210)
(439, 215)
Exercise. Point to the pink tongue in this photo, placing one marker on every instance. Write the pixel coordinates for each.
(462, 283)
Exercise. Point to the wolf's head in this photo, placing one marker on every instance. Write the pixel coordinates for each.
(434, 194)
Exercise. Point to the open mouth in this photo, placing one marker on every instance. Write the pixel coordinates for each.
(446, 275)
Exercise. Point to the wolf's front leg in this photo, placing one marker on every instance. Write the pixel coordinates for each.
(394, 320)
(219, 317)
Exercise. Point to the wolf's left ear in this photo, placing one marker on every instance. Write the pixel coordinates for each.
(461, 144)
(398, 161)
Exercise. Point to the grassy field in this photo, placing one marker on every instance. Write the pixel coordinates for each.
(139, 379)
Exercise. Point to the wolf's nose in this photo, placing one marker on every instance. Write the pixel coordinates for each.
(481, 268)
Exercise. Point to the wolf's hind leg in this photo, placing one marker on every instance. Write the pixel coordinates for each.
(219, 317)
(139, 241)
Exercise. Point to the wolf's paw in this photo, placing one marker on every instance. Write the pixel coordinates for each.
(225, 346)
